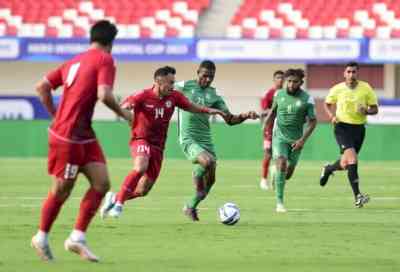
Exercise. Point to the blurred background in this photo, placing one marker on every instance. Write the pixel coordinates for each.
(248, 39)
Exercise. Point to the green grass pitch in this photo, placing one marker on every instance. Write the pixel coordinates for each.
(322, 230)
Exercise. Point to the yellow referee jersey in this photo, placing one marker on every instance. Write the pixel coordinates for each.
(348, 100)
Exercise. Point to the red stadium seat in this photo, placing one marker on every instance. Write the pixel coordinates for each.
(308, 15)
(54, 14)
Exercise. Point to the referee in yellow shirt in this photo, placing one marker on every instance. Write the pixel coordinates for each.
(354, 100)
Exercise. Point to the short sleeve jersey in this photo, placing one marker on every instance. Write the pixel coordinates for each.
(196, 126)
(266, 103)
(80, 78)
(291, 114)
(348, 100)
(152, 115)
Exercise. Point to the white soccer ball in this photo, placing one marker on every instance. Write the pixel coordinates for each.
(229, 214)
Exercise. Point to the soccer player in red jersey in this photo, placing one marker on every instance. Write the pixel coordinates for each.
(73, 146)
(266, 104)
(153, 109)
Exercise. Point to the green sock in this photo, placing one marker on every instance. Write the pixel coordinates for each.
(198, 172)
(280, 185)
(194, 202)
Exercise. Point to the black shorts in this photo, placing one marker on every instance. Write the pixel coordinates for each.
(349, 136)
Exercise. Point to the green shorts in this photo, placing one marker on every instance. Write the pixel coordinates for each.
(281, 148)
(192, 150)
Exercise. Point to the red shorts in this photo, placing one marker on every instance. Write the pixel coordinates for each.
(66, 158)
(155, 155)
(267, 143)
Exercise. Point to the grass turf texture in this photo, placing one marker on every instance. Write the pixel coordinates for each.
(322, 230)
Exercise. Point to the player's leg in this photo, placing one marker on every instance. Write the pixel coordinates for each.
(203, 176)
(293, 159)
(63, 175)
(264, 184)
(280, 152)
(97, 175)
(128, 187)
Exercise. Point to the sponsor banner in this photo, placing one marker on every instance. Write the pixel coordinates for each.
(386, 115)
(9, 49)
(384, 50)
(126, 50)
(21, 108)
(279, 50)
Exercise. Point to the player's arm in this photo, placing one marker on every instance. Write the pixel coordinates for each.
(311, 124)
(186, 105)
(43, 88)
(200, 109)
(232, 119)
(105, 95)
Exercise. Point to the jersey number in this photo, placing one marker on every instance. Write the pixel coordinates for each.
(159, 113)
(71, 171)
(143, 149)
(73, 71)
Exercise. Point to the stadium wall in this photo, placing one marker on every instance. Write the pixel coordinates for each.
(29, 139)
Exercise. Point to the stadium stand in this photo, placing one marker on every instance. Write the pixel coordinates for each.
(72, 18)
(316, 19)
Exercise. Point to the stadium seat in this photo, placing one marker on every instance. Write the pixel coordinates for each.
(315, 19)
(73, 18)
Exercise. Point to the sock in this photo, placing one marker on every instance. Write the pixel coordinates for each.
(77, 235)
(128, 187)
(265, 168)
(42, 237)
(199, 196)
(280, 185)
(352, 174)
(334, 166)
(89, 205)
(50, 209)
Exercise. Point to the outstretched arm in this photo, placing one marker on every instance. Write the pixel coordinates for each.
(200, 109)
(43, 88)
(232, 119)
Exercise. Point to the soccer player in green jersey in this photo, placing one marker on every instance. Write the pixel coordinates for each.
(292, 107)
(195, 134)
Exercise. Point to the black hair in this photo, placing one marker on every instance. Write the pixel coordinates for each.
(295, 72)
(208, 64)
(103, 32)
(352, 64)
(278, 72)
(164, 71)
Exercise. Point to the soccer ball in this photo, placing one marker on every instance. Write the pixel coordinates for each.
(229, 214)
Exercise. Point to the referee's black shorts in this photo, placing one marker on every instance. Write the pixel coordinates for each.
(349, 136)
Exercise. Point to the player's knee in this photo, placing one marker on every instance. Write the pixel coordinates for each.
(102, 186)
(210, 163)
(281, 163)
(141, 169)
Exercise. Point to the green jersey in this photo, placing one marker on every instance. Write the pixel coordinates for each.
(291, 113)
(195, 127)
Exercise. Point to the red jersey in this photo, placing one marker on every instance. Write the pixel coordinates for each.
(152, 114)
(80, 77)
(266, 103)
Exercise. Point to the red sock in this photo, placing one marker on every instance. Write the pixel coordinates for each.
(265, 167)
(89, 205)
(128, 187)
(50, 209)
